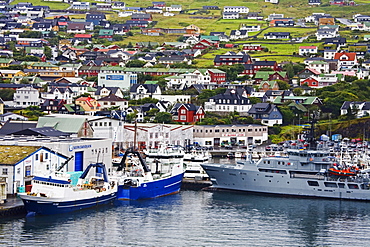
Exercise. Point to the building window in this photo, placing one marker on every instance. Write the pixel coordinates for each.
(5, 171)
(37, 157)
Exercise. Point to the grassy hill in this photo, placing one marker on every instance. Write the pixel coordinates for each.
(356, 128)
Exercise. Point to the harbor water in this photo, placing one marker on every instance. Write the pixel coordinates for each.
(199, 218)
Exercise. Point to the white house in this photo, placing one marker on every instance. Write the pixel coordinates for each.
(325, 33)
(217, 135)
(174, 8)
(361, 109)
(151, 135)
(272, 1)
(237, 9)
(254, 28)
(173, 99)
(275, 16)
(113, 101)
(80, 5)
(184, 81)
(25, 97)
(140, 91)
(329, 54)
(227, 102)
(346, 59)
(307, 50)
(230, 15)
(64, 93)
(320, 66)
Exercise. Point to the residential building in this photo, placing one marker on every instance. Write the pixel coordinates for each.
(187, 113)
(237, 9)
(277, 35)
(359, 109)
(232, 59)
(267, 113)
(346, 59)
(88, 104)
(25, 97)
(307, 50)
(230, 101)
(222, 135)
(113, 101)
(140, 91)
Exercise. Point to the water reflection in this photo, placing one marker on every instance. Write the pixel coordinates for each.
(198, 218)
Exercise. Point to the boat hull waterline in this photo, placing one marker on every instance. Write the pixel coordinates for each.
(152, 189)
(51, 206)
(228, 177)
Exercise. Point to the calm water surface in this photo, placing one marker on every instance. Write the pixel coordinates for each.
(197, 218)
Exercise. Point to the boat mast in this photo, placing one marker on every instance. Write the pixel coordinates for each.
(135, 133)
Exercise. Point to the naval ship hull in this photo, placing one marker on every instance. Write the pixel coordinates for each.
(283, 182)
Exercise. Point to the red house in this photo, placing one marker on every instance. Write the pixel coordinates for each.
(311, 82)
(205, 43)
(217, 76)
(187, 113)
(220, 60)
(251, 69)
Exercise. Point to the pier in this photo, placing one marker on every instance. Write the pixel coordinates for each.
(12, 207)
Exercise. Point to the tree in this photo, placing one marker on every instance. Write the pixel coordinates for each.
(152, 112)
(283, 85)
(163, 117)
(232, 71)
(246, 120)
(349, 78)
(27, 58)
(289, 69)
(47, 52)
(266, 69)
(298, 91)
(131, 117)
(7, 94)
(117, 37)
(298, 67)
(30, 34)
(32, 112)
(287, 113)
(255, 100)
(135, 64)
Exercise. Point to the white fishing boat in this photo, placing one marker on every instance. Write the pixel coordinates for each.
(57, 193)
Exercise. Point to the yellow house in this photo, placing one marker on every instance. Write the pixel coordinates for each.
(88, 104)
(193, 27)
(9, 73)
(5, 62)
(64, 43)
(1, 106)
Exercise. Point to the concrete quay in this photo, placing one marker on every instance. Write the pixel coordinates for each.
(12, 207)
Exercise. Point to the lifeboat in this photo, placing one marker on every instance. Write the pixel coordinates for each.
(342, 172)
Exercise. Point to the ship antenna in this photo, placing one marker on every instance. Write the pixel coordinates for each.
(310, 133)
